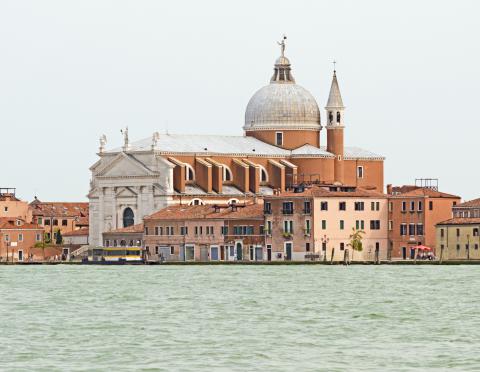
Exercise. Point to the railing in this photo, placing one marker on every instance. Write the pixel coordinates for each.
(287, 211)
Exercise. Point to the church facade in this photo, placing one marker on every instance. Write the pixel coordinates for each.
(281, 147)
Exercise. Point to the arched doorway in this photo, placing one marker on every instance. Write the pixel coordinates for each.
(128, 217)
(239, 251)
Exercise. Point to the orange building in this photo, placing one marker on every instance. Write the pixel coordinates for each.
(59, 216)
(206, 233)
(413, 212)
(11, 206)
(282, 146)
(18, 239)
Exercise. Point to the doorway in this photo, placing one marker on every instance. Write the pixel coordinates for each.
(258, 253)
(214, 253)
(269, 252)
(404, 253)
(239, 247)
(20, 255)
(288, 251)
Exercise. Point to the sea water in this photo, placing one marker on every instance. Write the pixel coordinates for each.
(243, 318)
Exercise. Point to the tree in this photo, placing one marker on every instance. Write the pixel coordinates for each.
(356, 240)
(58, 237)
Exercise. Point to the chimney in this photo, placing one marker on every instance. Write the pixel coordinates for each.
(389, 189)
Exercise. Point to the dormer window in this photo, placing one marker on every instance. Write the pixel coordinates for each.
(189, 173)
(19, 222)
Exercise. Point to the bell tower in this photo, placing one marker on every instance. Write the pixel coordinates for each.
(335, 126)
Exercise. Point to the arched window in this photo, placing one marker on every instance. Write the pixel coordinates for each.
(227, 174)
(189, 173)
(123, 243)
(330, 117)
(196, 201)
(128, 217)
(263, 174)
(233, 201)
(338, 116)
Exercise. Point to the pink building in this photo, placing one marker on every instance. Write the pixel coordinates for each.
(317, 222)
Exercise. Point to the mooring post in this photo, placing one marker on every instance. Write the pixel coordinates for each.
(333, 254)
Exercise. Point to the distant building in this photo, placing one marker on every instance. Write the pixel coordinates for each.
(131, 236)
(11, 206)
(18, 239)
(468, 209)
(59, 216)
(281, 146)
(458, 238)
(206, 233)
(413, 212)
(316, 222)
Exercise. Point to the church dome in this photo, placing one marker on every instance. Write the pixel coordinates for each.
(282, 104)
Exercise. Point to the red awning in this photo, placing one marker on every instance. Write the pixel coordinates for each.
(422, 248)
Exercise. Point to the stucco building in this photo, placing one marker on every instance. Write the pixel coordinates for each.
(316, 223)
(59, 216)
(458, 237)
(413, 212)
(281, 146)
(206, 233)
(18, 239)
(11, 206)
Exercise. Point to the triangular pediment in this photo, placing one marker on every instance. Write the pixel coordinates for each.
(125, 192)
(124, 165)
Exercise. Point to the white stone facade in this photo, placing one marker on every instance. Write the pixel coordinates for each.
(140, 181)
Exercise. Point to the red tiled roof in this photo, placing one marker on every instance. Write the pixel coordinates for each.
(11, 224)
(130, 229)
(424, 191)
(460, 221)
(8, 197)
(319, 192)
(59, 209)
(192, 212)
(475, 203)
(79, 232)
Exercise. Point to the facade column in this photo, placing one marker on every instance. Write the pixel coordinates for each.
(101, 216)
(139, 214)
(114, 209)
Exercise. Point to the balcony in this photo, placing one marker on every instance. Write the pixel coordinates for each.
(267, 211)
(287, 211)
(287, 235)
(307, 211)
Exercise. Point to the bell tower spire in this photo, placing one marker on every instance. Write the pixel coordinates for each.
(335, 126)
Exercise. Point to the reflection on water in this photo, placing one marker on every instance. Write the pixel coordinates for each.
(239, 317)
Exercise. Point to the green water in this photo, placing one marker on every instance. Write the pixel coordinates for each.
(263, 318)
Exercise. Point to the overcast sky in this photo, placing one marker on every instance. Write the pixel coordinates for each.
(409, 73)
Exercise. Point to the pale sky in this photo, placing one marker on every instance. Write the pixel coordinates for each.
(409, 73)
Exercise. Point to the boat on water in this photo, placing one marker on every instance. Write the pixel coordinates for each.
(114, 256)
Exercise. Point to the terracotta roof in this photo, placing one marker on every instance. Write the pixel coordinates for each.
(424, 191)
(192, 212)
(460, 221)
(8, 197)
(319, 192)
(83, 221)
(11, 224)
(130, 229)
(59, 209)
(475, 203)
(79, 232)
